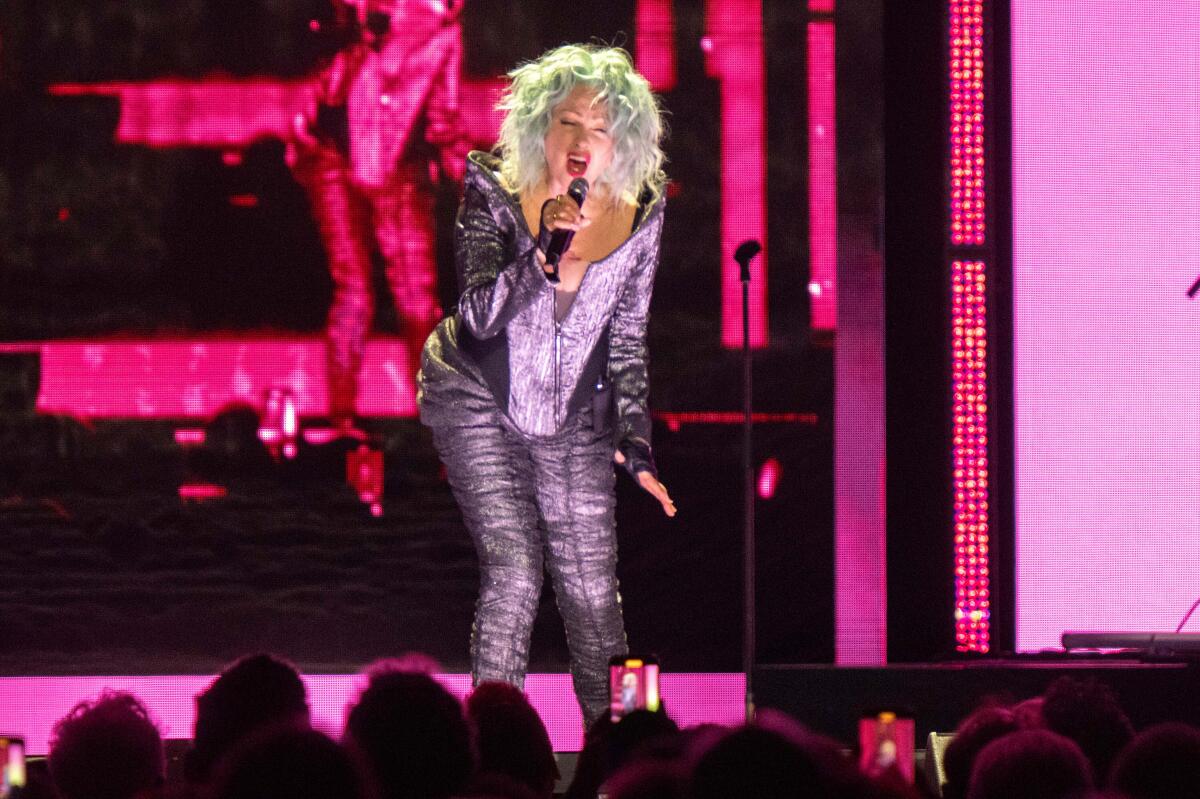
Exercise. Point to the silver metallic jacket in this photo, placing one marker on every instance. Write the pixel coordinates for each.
(503, 348)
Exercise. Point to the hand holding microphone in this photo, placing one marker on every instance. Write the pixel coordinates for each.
(561, 217)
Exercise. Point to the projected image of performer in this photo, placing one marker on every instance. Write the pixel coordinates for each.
(530, 385)
(385, 115)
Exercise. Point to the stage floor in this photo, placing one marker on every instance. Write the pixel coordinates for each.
(831, 699)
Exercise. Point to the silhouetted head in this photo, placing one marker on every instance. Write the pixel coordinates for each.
(288, 762)
(510, 737)
(255, 692)
(490, 785)
(1031, 764)
(775, 757)
(648, 779)
(973, 734)
(1162, 762)
(636, 732)
(1087, 712)
(107, 749)
(1029, 713)
(412, 736)
(608, 746)
(593, 760)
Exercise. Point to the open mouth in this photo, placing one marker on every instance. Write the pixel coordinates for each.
(576, 165)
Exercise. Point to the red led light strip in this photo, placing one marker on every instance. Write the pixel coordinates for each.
(970, 442)
(970, 364)
(968, 221)
(674, 419)
(969, 336)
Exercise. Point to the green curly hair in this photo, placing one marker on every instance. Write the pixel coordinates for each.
(634, 118)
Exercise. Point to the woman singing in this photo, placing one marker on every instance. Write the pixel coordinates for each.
(531, 384)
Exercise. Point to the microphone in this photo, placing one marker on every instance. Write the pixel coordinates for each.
(560, 240)
(744, 254)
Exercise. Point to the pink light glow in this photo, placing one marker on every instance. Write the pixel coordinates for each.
(190, 436)
(970, 447)
(196, 378)
(821, 6)
(29, 706)
(211, 112)
(654, 43)
(735, 57)
(235, 112)
(673, 419)
(1106, 198)
(364, 472)
(967, 191)
(822, 175)
(768, 478)
(198, 492)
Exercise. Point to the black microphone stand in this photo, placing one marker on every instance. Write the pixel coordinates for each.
(743, 255)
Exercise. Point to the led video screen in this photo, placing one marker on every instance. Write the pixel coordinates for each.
(1106, 243)
(204, 221)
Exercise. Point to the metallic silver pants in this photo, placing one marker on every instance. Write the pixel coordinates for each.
(398, 219)
(531, 504)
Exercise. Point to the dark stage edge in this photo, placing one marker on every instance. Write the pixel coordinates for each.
(829, 699)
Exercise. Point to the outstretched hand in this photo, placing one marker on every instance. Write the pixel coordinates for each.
(651, 485)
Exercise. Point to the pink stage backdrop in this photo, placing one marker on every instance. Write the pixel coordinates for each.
(1106, 240)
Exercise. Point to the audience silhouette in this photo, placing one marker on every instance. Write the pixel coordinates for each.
(411, 734)
(1162, 762)
(407, 737)
(107, 749)
(290, 761)
(510, 738)
(254, 692)
(1032, 764)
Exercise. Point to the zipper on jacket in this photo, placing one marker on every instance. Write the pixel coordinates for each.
(557, 371)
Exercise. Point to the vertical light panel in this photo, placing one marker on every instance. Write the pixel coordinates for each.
(967, 188)
(856, 285)
(822, 174)
(654, 43)
(734, 47)
(969, 326)
(970, 441)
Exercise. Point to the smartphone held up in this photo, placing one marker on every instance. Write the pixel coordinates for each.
(633, 685)
(886, 744)
(12, 766)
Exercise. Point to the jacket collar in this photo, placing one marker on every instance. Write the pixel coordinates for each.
(487, 166)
